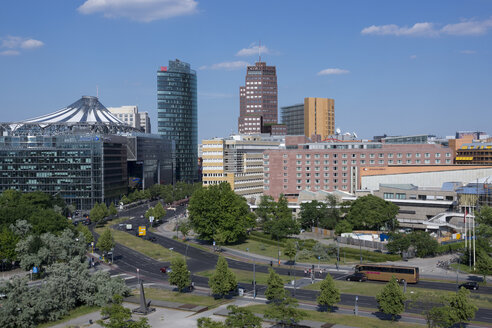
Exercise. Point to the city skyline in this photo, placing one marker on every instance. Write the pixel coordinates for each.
(425, 64)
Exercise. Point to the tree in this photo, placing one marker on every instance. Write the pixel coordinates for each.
(106, 241)
(8, 242)
(149, 213)
(119, 317)
(371, 212)
(343, 226)
(179, 275)
(290, 249)
(329, 295)
(440, 316)
(112, 209)
(275, 287)
(159, 211)
(88, 237)
(124, 200)
(398, 243)
(462, 308)
(223, 280)
(277, 217)
(97, 213)
(209, 323)
(285, 311)
(184, 228)
(312, 213)
(218, 210)
(484, 264)
(391, 299)
(241, 318)
(424, 243)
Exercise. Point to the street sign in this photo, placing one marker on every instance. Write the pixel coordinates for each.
(142, 230)
(151, 219)
(214, 243)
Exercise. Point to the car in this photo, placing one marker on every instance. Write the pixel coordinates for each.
(357, 276)
(166, 269)
(473, 285)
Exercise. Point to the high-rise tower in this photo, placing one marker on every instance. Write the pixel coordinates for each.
(258, 99)
(177, 117)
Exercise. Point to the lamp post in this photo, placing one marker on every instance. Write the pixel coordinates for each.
(360, 248)
(254, 275)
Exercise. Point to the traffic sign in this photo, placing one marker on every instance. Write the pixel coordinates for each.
(35, 270)
(142, 230)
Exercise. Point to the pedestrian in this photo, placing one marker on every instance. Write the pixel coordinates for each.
(305, 272)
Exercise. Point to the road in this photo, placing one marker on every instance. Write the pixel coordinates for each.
(128, 261)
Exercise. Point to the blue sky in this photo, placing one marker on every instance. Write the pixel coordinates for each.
(395, 67)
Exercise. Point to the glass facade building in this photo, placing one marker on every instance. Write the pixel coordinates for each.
(293, 118)
(177, 117)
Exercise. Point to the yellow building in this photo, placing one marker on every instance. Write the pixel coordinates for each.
(319, 117)
(237, 160)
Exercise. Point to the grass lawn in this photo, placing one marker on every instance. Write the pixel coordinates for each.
(75, 313)
(348, 320)
(138, 244)
(413, 293)
(186, 298)
(347, 256)
(247, 276)
(461, 267)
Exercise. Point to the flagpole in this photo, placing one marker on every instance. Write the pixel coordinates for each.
(465, 229)
(469, 242)
(474, 237)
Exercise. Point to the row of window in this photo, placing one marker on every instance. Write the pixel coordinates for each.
(372, 155)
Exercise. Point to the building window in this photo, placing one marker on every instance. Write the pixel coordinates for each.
(316, 155)
(401, 196)
(326, 156)
(381, 161)
(354, 156)
(417, 161)
(308, 181)
(417, 155)
(354, 162)
(299, 175)
(448, 161)
(409, 154)
(298, 162)
(344, 162)
(266, 162)
(371, 155)
(371, 161)
(399, 155)
(381, 155)
(298, 180)
(298, 168)
(266, 181)
(427, 161)
(326, 162)
(316, 162)
(298, 187)
(409, 161)
(390, 155)
(344, 155)
(362, 155)
(285, 155)
(362, 161)
(335, 162)
(388, 195)
(308, 162)
(327, 174)
(308, 168)
(308, 175)
(298, 156)
(438, 161)
(448, 154)
(285, 167)
(438, 155)
(285, 180)
(427, 155)
(308, 156)
(327, 168)
(390, 161)
(316, 174)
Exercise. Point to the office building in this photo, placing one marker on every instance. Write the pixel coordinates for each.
(237, 160)
(477, 153)
(315, 117)
(177, 117)
(132, 117)
(258, 99)
(319, 117)
(83, 153)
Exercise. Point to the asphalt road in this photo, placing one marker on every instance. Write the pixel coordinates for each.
(128, 261)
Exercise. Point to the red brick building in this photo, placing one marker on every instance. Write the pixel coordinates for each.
(335, 165)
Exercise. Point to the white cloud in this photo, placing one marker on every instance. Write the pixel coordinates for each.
(227, 65)
(418, 29)
(333, 71)
(468, 52)
(466, 27)
(14, 44)
(253, 50)
(31, 44)
(9, 53)
(413, 57)
(140, 10)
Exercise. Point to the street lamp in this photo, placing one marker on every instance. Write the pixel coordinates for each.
(360, 248)
(254, 275)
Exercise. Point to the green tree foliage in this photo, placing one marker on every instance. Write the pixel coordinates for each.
(125, 200)
(462, 308)
(209, 323)
(391, 299)
(149, 213)
(84, 230)
(185, 227)
(343, 226)
(223, 280)
(320, 214)
(290, 249)
(484, 263)
(112, 209)
(275, 287)
(218, 210)
(285, 311)
(47, 249)
(98, 212)
(179, 275)
(119, 317)
(8, 242)
(106, 241)
(323, 251)
(371, 212)
(67, 285)
(441, 317)
(159, 211)
(398, 243)
(276, 217)
(424, 244)
(241, 318)
(329, 295)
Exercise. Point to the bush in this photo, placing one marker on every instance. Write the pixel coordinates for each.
(450, 248)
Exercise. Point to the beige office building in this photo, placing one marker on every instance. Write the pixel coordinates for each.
(319, 117)
(132, 117)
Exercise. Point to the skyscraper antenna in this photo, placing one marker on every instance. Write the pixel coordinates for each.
(259, 52)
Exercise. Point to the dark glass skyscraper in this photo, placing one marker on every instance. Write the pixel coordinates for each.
(177, 117)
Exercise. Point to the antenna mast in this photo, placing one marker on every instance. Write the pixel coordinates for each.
(259, 52)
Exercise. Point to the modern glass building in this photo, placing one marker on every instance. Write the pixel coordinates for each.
(177, 117)
(293, 118)
(82, 153)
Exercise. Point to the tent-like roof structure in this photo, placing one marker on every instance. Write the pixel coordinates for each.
(87, 109)
(86, 115)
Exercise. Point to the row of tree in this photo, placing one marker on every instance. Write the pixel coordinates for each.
(100, 211)
(168, 193)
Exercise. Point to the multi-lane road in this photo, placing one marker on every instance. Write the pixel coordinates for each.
(128, 261)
